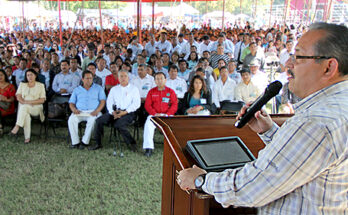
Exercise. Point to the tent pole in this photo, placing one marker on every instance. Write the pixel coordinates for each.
(329, 11)
(223, 15)
(23, 15)
(101, 24)
(255, 9)
(139, 20)
(60, 26)
(270, 14)
(153, 16)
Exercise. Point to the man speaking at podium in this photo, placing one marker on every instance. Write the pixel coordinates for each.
(304, 167)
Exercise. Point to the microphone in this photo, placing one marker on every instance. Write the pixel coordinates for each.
(271, 91)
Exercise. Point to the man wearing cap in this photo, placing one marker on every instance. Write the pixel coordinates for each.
(90, 58)
(150, 47)
(164, 46)
(258, 77)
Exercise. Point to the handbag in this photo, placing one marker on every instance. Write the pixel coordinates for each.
(56, 110)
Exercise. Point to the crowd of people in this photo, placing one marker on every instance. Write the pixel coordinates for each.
(117, 77)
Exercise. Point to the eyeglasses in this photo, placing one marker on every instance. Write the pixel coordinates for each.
(297, 57)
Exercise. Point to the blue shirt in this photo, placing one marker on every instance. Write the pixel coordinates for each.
(194, 102)
(87, 99)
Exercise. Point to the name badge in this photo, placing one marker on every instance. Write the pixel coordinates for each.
(145, 87)
(165, 100)
(179, 89)
(203, 101)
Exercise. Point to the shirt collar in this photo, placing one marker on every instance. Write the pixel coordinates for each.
(320, 94)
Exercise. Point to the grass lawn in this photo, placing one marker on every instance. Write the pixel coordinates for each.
(46, 177)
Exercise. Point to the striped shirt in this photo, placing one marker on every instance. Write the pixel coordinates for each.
(214, 58)
(304, 167)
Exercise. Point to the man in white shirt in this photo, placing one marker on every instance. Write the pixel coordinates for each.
(246, 91)
(176, 47)
(205, 45)
(74, 67)
(224, 88)
(150, 47)
(102, 72)
(144, 82)
(159, 67)
(164, 46)
(122, 102)
(258, 77)
(181, 41)
(187, 48)
(175, 83)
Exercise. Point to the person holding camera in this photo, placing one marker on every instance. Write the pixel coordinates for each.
(122, 102)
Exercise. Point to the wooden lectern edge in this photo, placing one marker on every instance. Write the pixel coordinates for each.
(169, 142)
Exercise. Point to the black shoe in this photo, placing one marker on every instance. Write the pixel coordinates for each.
(98, 146)
(148, 152)
(12, 135)
(82, 146)
(74, 146)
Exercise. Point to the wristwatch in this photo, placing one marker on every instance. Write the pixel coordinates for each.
(199, 181)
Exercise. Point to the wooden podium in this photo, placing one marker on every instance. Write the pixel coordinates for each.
(177, 131)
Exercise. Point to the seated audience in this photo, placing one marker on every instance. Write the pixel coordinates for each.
(64, 82)
(102, 71)
(197, 100)
(112, 79)
(177, 84)
(20, 72)
(122, 102)
(92, 67)
(86, 104)
(224, 88)
(7, 97)
(31, 95)
(246, 91)
(160, 101)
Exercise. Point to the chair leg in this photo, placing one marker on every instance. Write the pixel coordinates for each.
(119, 143)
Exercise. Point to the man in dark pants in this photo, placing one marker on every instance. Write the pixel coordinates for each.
(122, 102)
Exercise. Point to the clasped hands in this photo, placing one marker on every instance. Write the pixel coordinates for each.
(119, 113)
(195, 109)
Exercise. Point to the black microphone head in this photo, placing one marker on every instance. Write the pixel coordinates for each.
(273, 88)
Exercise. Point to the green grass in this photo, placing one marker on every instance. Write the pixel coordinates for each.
(46, 177)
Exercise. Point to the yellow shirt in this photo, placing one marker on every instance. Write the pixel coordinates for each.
(31, 93)
(247, 93)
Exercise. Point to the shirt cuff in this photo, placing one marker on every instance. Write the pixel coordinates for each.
(268, 135)
(208, 184)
